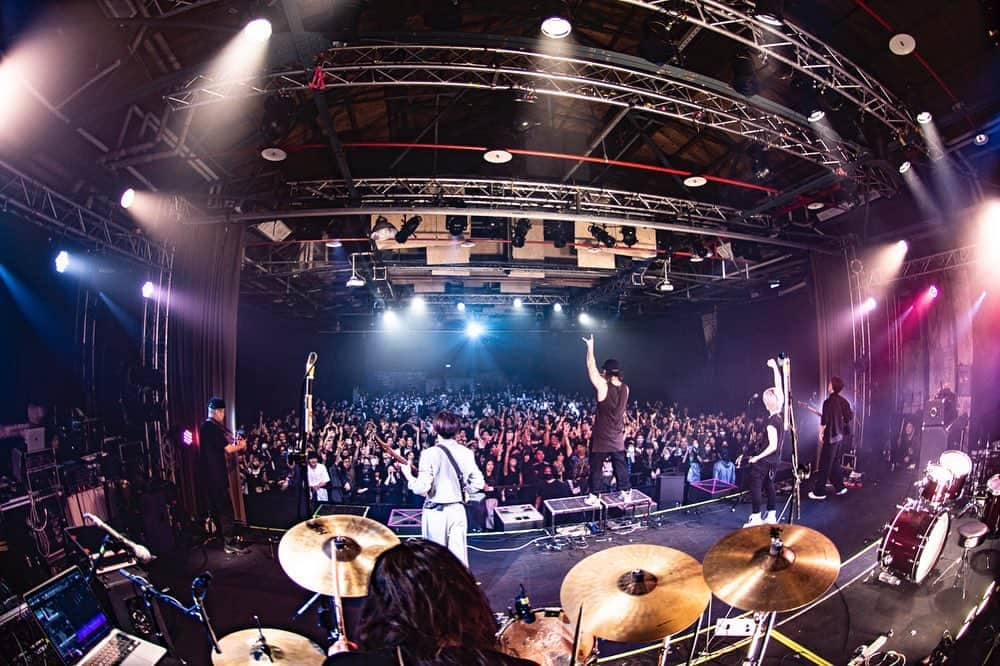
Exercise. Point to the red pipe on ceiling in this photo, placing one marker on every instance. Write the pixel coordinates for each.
(549, 155)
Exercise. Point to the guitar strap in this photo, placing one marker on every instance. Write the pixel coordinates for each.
(458, 473)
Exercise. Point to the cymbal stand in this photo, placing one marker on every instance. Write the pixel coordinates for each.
(697, 632)
(793, 506)
(665, 650)
(261, 648)
(339, 543)
(764, 625)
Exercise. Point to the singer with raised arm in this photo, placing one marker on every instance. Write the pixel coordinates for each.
(608, 435)
(764, 461)
(215, 440)
(446, 475)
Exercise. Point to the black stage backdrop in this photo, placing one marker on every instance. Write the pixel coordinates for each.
(203, 328)
(664, 357)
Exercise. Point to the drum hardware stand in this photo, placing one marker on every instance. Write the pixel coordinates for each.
(694, 640)
(764, 625)
(664, 651)
(793, 505)
(261, 648)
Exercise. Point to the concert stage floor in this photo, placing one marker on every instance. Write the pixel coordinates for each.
(853, 613)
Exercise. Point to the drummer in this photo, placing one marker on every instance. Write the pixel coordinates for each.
(423, 607)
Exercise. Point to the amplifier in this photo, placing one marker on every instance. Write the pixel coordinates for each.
(519, 517)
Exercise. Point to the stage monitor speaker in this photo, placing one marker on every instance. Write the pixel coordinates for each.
(129, 610)
(934, 413)
(933, 442)
(671, 491)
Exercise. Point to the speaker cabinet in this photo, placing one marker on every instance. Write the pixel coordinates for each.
(933, 442)
(671, 491)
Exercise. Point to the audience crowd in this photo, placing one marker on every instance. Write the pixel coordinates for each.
(530, 445)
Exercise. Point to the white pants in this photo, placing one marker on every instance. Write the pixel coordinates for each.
(447, 526)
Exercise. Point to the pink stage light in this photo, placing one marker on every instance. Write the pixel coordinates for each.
(932, 292)
(869, 305)
(187, 437)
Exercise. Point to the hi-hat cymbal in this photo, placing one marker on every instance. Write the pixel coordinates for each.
(747, 573)
(636, 593)
(243, 648)
(306, 552)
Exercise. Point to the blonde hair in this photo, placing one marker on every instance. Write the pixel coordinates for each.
(773, 395)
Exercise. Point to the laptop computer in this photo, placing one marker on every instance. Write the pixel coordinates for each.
(80, 632)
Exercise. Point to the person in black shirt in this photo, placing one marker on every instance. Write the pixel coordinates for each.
(550, 488)
(834, 431)
(215, 440)
(608, 437)
(423, 607)
(763, 461)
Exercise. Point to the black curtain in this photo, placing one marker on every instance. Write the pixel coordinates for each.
(203, 326)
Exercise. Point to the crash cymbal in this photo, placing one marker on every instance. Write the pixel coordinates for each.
(747, 573)
(306, 552)
(635, 593)
(243, 648)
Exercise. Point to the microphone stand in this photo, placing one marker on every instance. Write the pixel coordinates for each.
(794, 504)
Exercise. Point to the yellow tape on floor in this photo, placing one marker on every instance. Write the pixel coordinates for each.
(799, 648)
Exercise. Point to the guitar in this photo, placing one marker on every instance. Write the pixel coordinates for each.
(395, 456)
(808, 407)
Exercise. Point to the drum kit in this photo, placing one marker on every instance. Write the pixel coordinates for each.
(332, 556)
(642, 592)
(956, 484)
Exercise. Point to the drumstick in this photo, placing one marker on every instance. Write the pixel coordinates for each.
(576, 636)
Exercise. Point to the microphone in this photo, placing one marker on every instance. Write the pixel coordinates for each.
(753, 397)
(141, 552)
(199, 588)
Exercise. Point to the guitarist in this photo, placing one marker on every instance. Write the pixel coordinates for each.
(446, 476)
(834, 432)
(763, 461)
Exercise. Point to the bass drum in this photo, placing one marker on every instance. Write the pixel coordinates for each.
(912, 543)
(547, 640)
(991, 509)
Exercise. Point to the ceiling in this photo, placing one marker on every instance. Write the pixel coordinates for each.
(603, 127)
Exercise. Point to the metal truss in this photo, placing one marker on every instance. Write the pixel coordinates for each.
(531, 196)
(494, 299)
(39, 204)
(615, 80)
(931, 265)
(795, 48)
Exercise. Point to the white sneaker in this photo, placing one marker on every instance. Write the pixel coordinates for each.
(755, 519)
(771, 518)
(592, 500)
(842, 491)
(814, 496)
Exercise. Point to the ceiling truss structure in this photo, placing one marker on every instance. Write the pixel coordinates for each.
(931, 264)
(794, 47)
(615, 80)
(494, 299)
(39, 204)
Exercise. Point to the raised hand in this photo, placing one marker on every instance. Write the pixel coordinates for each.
(771, 363)
(589, 341)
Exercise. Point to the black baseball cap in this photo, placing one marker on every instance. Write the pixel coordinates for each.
(611, 365)
(216, 403)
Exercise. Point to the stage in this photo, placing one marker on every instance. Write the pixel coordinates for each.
(852, 613)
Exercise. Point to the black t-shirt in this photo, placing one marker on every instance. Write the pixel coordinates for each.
(837, 417)
(777, 421)
(213, 440)
(553, 490)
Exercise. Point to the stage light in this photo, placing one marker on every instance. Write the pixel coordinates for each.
(556, 24)
(664, 285)
(456, 225)
(498, 156)
(355, 280)
(383, 229)
(520, 232)
(816, 115)
(390, 320)
(557, 307)
(699, 252)
(901, 247)
(981, 139)
(771, 12)
(518, 304)
(187, 437)
(128, 198)
(62, 261)
(148, 288)
(932, 292)
(258, 30)
(274, 154)
(815, 205)
(924, 117)
(460, 307)
(695, 181)
(902, 44)
(904, 166)
(585, 319)
(474, 330)
(333, 242)
(408, 229)
(774, 284)
(602, 236)
(629, 237)
(869, 305)
(418, 304)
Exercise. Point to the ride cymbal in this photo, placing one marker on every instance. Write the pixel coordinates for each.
(244, 648)
(635, 593)
(306, 552)
(771, 567)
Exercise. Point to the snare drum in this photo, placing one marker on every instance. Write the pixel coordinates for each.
(960, 466)
(937, 484)
(912, 543)
(548, 640)
(991, 510)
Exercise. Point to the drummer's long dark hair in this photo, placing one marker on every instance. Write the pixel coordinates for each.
(424, 600)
